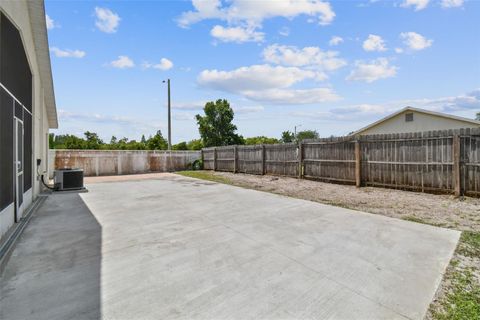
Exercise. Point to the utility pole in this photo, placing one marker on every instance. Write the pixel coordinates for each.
(295, 130)
(169, 117)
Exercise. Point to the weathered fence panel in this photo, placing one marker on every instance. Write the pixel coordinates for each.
(208, 158)
(250, 159)
(330, 160)
(470, 158)
(436, 161)
(226, 159)
(282, 159)
(117, 162)
(417, 161)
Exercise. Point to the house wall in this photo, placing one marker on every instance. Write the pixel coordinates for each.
(17, 12)
(421, 122)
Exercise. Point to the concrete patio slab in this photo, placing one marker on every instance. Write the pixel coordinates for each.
(175, 247)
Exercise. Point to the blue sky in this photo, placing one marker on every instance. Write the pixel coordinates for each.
(330, 66)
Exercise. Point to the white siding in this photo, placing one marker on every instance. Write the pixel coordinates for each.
(421, 122)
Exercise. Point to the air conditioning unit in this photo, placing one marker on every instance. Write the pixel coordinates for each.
(68, 179)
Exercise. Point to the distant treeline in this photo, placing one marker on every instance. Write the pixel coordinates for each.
(91, 141)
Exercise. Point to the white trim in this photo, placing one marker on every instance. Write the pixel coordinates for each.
(28, 197)
(433, 113)
(19, 174)
(7, 219)
(15, 98)
(36, 10)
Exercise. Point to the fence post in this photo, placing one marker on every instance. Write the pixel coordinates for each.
(358, 164)
(456, 165)
(235, 159)
(202, 158)
(263, 159)
(215, 159)
(300, 160)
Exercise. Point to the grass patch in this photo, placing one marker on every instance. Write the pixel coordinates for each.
(462, 301)
(420, 220)
(205, 175)
(470, 244)
(414, 219)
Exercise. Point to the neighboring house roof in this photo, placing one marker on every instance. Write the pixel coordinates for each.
(36, 10)
(432, 113)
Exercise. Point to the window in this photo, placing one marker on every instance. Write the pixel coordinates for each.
(408, 117)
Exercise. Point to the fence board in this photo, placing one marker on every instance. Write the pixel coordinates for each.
(421, 161)
(281, 159)
(331, 160)
(250, 159)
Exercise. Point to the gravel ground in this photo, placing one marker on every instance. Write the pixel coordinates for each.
(441, 210)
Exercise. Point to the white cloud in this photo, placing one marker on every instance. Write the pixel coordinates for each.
(50, 23)
(312, 57)
(452, 3)
(398, 50)
(346, 113)
(267, 83)
(415, 41)
(164, 65)
(197, 105)
(253, 78)
(372, 71)
(468, 101)
(182, 116)
(454, 104)
(236, 34)
(284, 31)
(417, 4)
(247, 109)
(335, 41)
(122, 62)
(59, 53)
(293, 96)
(107, 21)
(77, 123)
(374, 43)
(239, 11)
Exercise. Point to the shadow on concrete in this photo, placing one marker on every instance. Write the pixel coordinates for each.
(54, 271)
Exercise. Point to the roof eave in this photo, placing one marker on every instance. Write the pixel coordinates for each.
(36, 10)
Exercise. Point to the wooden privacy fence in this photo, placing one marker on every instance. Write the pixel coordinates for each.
(434, 161)
(118, 162)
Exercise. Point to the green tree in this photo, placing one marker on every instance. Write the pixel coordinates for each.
(216, 127)
(260, 140)
(307, 134)
(93, 142)
(51, 140)
(180, 146)
(287, 137)
(195, 144)
(69, 141)
(477, 116)
(157, 142)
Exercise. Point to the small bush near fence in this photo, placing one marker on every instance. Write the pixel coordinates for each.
(434, 161)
